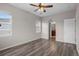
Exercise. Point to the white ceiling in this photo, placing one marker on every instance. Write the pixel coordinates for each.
(57, 8)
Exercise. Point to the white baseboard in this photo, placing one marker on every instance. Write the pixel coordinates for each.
(65, 42)
(17, 44)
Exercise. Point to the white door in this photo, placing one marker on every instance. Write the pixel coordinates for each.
(69, 31)
(45, 28)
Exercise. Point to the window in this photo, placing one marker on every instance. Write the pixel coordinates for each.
(5, 24)
(38, 27)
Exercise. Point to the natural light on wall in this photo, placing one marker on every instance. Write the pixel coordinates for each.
(5, 24)
(38, 27)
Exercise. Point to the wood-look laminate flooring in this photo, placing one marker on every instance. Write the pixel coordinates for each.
(42, 47)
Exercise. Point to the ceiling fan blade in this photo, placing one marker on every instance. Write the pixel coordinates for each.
(34, 5)
(48, 6)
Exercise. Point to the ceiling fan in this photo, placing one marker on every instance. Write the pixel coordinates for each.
(41, 7)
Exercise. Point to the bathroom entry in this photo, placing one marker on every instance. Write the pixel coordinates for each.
(52, 30)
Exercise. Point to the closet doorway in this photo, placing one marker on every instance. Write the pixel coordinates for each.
(52, 30)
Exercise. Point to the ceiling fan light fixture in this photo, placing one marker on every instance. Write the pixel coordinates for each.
(42, 9)
(42, 6)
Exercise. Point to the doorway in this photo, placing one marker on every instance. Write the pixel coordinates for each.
(52, 30)
(69, 31)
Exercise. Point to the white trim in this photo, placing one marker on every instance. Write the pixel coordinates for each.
(17, 44)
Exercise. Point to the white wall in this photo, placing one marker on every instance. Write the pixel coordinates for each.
(23, 27)
(77, 28)
(59, 19)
